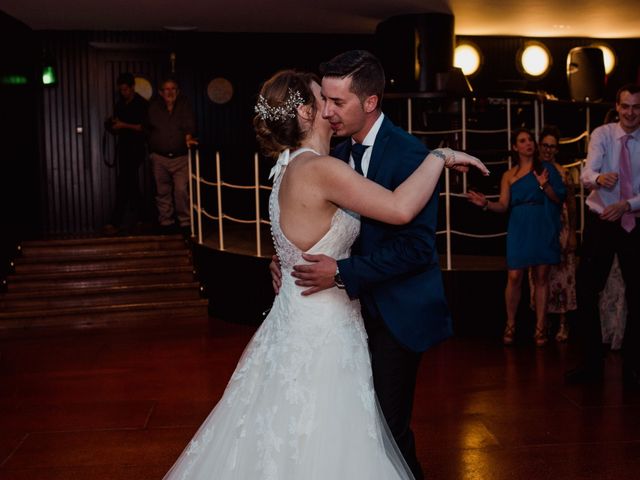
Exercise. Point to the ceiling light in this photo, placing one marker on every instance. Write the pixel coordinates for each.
(534, 59)
(467, 57)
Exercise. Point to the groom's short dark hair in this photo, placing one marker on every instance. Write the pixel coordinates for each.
(364, 68)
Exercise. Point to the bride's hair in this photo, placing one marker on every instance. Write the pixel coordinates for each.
(276, 123)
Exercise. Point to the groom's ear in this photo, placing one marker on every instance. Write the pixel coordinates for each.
(370, 104)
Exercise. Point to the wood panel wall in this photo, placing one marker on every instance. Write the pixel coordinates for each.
(78, 187)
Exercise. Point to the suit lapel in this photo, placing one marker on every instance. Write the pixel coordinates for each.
(379, 146)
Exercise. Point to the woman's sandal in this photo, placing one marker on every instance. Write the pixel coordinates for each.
(541, 337)
(509, 334)
(563, 332)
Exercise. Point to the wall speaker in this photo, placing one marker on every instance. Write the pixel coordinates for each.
(414, 48)
(585, 74)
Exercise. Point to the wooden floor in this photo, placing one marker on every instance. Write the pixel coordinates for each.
(121, 404)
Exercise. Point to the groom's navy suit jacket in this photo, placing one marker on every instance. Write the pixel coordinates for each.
(394, 269)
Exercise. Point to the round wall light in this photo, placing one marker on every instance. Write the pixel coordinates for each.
(467, 57)
(534, 59)
(609, 57)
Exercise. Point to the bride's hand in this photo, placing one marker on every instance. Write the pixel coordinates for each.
(461, 161)
(276, 274)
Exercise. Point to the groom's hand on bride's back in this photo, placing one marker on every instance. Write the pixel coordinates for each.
(276, 274)
(319, 274)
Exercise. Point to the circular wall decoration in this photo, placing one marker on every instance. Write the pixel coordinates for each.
(220, 90)
(143, 87)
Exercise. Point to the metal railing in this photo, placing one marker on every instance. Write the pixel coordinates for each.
(199, 211)
(538, 108)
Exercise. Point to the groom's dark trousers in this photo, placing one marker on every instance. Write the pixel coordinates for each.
(395, 369)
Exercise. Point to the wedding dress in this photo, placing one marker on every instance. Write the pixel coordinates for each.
(300, 404)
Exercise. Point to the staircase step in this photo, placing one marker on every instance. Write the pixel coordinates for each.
(102, 262)
(99, 246)
(72, 242)
(91, 282)
(169, 312)
(95, 279)
(88, 297)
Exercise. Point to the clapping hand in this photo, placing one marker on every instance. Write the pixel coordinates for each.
(542, 178)
(477, 198)
(461, 161)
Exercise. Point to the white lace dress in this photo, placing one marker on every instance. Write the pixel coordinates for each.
(300, 404)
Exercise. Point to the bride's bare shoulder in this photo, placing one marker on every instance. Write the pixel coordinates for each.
(325, 163)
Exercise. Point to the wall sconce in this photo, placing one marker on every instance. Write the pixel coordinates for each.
(609, 57)
(534, 60)
(143, 87)
(467, 57)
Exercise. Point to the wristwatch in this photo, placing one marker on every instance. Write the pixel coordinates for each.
(337, 280)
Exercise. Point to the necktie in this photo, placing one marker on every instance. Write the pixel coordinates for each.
(357, 151)
(628, 220)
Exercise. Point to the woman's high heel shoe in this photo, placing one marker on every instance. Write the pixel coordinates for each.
(509, 334)
(563, 332)
(540, 337)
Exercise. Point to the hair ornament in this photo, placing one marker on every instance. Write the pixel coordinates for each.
(281, 112)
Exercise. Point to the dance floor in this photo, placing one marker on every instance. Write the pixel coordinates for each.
(121, 404)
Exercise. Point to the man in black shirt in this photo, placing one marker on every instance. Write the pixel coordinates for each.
(171, 126)
(127, 124)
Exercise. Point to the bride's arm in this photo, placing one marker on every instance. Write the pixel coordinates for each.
(346, 188)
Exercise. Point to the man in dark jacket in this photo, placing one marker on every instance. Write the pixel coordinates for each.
(171, 127)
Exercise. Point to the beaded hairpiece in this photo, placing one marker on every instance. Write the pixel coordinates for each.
(283, 111)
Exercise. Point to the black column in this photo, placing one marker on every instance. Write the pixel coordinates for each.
(414, 49)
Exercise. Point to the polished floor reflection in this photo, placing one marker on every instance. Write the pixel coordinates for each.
(121, 404)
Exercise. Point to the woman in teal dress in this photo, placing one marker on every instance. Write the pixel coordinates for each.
(532, 192)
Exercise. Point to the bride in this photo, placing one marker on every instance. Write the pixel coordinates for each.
(301, 404)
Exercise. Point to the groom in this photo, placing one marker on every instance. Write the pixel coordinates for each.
(393, 270)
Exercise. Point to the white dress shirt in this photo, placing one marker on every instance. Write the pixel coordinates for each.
(603, 157)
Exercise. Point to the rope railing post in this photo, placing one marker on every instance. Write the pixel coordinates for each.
(587, 138)
(256, 171)
(199, 199)
(536, 119)
(464, 140)
(219, 192)
(447, 200)
(582, 204)
(190, 159)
